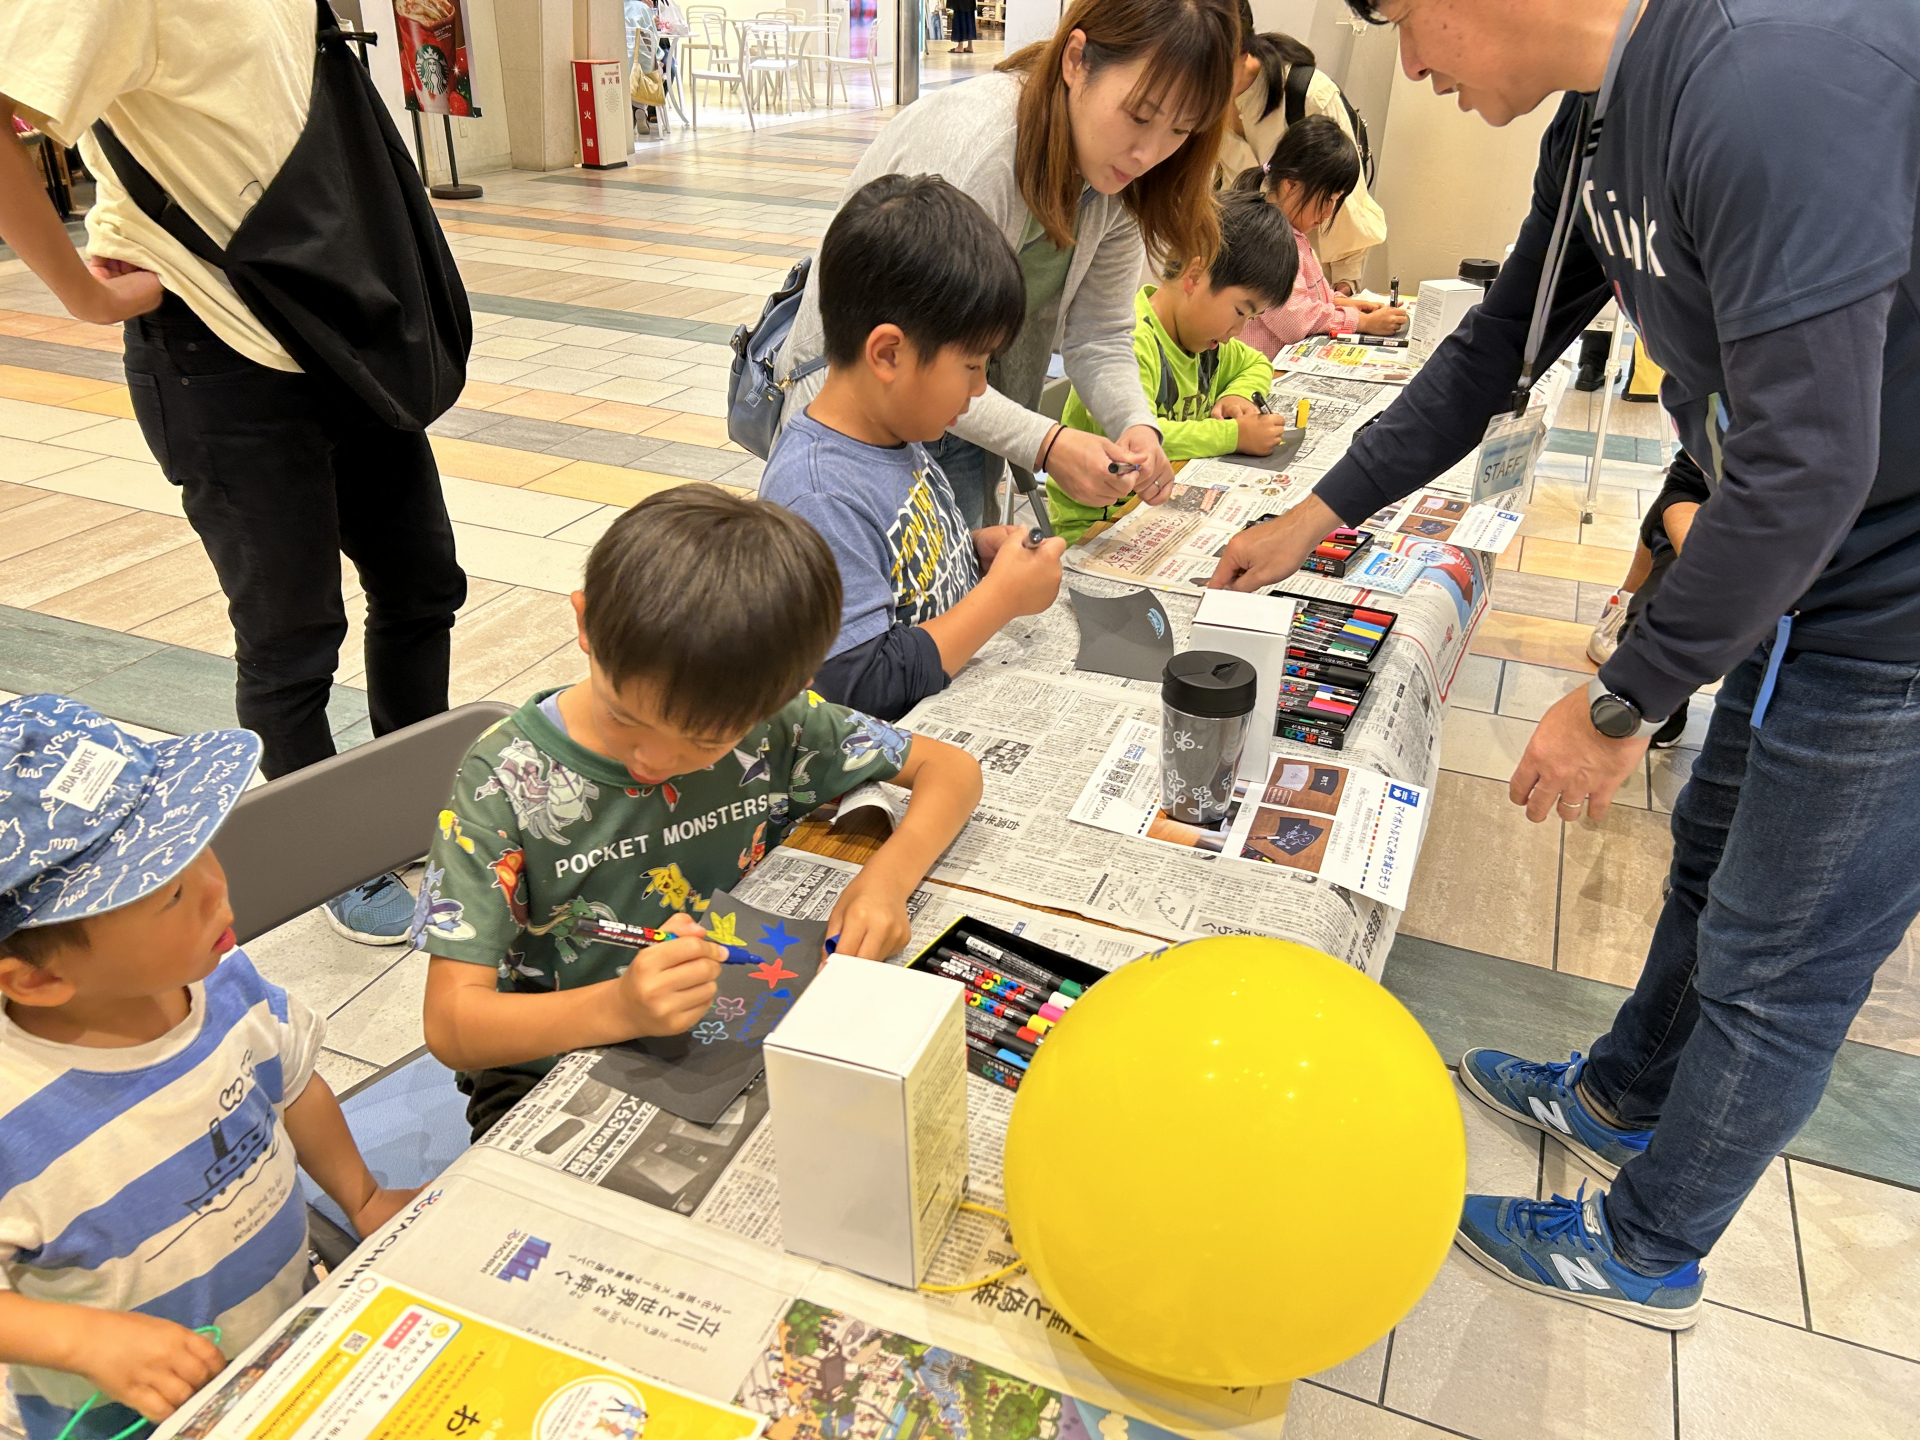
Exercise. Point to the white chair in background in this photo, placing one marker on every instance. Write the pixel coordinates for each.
(771, 60)
(725, 65)
(696, 40)
(838, 64)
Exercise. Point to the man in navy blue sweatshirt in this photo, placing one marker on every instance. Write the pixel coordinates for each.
(1750, 198)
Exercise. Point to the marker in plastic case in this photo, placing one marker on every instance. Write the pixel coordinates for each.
(1017, 966)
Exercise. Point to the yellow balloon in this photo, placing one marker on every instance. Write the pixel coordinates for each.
(1236, 1162)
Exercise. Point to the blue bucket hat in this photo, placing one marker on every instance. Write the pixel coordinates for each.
(92, 818)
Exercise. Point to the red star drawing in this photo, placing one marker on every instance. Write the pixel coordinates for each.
(773, 972)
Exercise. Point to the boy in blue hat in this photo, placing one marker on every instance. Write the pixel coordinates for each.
(155, 1092)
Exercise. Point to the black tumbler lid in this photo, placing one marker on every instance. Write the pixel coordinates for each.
(1480, 272)
(1210, 683)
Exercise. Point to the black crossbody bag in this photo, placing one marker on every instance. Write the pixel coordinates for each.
(342, 259)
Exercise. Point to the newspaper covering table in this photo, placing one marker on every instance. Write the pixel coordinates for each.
(544, 1226)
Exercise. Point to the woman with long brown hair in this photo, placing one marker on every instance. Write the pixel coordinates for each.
(1079, 148)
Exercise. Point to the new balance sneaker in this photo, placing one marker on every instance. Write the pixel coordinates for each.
(1563, 1247)
(379, 912)
(1605, 638)
(1543, 1096)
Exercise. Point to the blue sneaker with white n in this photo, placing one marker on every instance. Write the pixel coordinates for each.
(1542, 1094)
(1563, 1247)
(380, 912)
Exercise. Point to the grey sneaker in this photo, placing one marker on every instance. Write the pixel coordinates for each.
(379, 912)
(1605, 638)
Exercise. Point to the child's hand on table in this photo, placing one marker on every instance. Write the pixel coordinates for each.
(669, 986)
(143, 1362)
(870, 917)
(1383, 320)
(1234, 407)
(1260, 433)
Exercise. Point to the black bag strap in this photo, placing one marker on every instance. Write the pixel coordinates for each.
(1299, 79)
(154, 201)
(151, 196)
(1359, 138)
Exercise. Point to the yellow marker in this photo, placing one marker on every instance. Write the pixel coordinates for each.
(1300, 414)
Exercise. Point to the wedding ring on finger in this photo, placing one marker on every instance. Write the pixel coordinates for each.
(1572, 807)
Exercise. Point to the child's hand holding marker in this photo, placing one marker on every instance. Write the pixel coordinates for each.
(671, 981)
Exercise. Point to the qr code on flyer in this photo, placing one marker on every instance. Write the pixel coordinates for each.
(355, 1342)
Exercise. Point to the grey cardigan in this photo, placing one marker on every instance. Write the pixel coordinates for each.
(966, 134)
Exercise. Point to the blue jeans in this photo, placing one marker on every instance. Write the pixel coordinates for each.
(974, 474)
(1793, 879)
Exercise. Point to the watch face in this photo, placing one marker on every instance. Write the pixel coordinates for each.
(1614, 717)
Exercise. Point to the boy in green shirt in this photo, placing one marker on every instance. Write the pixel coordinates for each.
(1200, 379)
(689, 751)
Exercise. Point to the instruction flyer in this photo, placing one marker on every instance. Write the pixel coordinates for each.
(1354, 828)
(388, 1363)
(1350, 827)
(1441, 518)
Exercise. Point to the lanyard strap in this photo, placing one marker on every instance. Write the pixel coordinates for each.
(1587, 141)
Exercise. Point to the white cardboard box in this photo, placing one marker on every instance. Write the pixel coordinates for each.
(867, 1078)
(1254, 628)
(1443, 305)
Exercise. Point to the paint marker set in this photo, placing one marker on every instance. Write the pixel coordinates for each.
(1331, 648)
(1015, 992)
(1338, 553)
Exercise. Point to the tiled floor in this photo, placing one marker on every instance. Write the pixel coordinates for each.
(602, 307)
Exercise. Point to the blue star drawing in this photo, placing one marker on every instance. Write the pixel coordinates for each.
(776, 938)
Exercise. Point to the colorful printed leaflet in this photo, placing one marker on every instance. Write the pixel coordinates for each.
(830, 1376)
(385, 1361)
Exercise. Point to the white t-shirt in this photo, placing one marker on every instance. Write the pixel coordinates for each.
(209, 95)
(158, 1177)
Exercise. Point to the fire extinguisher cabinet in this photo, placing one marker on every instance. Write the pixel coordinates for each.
(605, 117)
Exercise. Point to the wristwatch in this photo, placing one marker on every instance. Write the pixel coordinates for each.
(1615, 716)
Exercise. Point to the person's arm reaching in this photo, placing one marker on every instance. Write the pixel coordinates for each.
(1443, 412)
(1801, 452)
(870, 917)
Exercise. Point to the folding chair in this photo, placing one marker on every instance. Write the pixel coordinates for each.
(293, 843)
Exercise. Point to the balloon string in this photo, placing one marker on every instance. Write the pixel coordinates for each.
(999, 1274)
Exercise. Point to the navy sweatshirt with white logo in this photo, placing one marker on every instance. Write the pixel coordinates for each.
(1752, 203)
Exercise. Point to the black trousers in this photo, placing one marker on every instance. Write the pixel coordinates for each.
(281, 473)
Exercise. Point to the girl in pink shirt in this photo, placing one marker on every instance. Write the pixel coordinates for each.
(1308, 179)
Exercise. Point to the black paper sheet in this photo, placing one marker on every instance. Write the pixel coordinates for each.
(1281, 457)
(722, 1053)
(1128, 635)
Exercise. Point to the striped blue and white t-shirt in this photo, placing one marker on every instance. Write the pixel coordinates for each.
(158, 1177)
